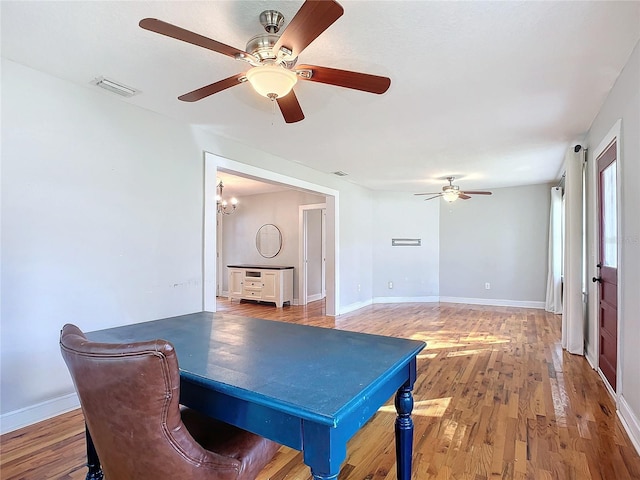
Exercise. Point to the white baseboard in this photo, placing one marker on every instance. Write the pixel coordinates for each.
(591, 358)
(435, 299)
(629, 421)
(607, 385)
(354, 306)
(23, 417)
(432, 299)
(495, 302)
(313, 298)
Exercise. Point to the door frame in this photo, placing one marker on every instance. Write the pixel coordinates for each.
(594, 255)
(607, 276)
(220, 271)
(302, 250)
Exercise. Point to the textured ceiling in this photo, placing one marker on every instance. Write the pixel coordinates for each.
(491, 92)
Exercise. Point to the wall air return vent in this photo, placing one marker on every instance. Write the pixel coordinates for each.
(115, 87)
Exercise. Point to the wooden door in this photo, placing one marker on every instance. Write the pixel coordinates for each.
(608, 265)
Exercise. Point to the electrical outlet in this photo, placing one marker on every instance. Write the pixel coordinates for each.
(390, 285)
(487, 286)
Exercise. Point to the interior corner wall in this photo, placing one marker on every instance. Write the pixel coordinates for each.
(500, 240)
(623, 102)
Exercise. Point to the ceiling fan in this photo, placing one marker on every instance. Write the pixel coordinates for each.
(452, 192)
(272, 57)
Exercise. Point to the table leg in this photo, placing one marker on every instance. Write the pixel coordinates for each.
(93, 462)
(323, 477)
(404, 432)
(324, 450)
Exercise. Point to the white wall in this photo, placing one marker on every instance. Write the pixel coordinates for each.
(500, 239)
(280, 209)
(102, 224)
(356, 249)
(413, 271)
(623, 103)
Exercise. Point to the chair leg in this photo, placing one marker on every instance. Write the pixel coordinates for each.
(93, 462)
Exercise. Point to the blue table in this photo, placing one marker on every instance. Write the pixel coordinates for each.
(309, 388)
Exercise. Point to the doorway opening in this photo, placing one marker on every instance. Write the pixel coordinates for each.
(312, 249)
(211, 270)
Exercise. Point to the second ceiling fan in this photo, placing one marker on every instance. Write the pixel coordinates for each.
(273, 57)
(452, 192)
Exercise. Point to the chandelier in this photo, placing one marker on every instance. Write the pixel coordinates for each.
(222, 206)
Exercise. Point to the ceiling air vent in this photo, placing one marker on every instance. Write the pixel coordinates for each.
(340, 173)
(115, 87)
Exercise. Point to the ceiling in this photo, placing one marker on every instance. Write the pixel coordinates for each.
(491, 92)
(235, 185)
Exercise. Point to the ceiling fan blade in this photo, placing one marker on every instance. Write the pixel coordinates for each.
(313, 18)
(169, 30)
(347, 79)
(290, 108)
(216, 87)
(432, 193)
(471, 192)
(435, 196)
(463, 196)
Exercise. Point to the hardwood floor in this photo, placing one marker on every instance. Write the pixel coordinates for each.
(496, 398)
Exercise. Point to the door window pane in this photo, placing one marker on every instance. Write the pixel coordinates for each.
(609, 217)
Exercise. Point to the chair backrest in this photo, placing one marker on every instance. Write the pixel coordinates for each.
(129, 395)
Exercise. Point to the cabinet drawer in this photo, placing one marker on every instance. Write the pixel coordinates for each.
(252, 293)
(252, 284)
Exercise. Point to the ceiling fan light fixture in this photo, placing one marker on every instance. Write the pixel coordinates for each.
(450, 195)
(271, 81)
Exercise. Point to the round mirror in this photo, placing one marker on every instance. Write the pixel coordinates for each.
(268, 240)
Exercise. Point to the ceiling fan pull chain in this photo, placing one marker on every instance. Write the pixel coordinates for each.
(273, 111)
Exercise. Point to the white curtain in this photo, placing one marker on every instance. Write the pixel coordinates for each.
(573, 323)
(554, 276)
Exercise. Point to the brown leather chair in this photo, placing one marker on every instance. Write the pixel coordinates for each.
(130, 399)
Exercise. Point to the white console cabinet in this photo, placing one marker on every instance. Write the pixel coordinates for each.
(265, 283)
